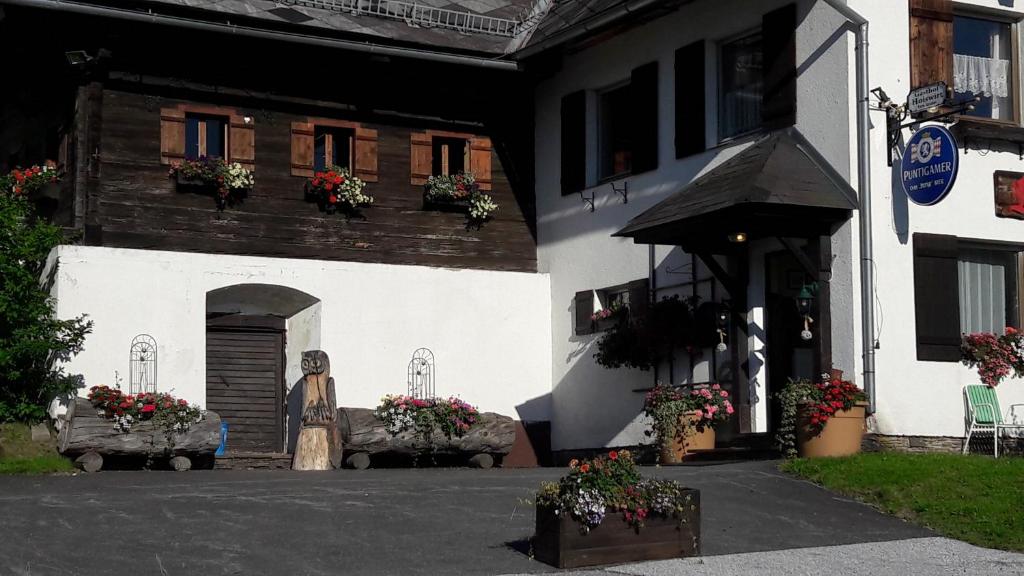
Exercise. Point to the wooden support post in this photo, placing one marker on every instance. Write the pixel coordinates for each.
(821, 256)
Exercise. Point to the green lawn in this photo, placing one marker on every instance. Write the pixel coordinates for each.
(973, 498)
(20, 455)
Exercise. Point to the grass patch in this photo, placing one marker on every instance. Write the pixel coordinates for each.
(972, 498)
(20, 455)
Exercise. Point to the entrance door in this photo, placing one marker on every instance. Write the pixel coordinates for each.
(245, 386)
(789, 356)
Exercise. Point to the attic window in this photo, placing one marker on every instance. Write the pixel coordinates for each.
(205, 136)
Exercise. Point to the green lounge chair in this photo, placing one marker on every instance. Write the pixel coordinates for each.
(982, 414)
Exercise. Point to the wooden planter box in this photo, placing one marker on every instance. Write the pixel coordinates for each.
(194, 183)
(559, 542)
(458, 206)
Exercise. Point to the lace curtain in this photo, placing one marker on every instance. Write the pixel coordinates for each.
(979, 75)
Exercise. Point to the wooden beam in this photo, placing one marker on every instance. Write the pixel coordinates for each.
(805, 262)
(720, 273)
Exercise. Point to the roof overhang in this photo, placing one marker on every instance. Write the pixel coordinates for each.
(779, 186)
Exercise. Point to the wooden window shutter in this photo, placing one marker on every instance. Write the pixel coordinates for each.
(639, 297)
(242, 141)
(302, 149)
(690, 71)
(643, 95)
(937, 297)
(574, 142)
(420, 157)
(931, 42)
(172, 135)
(584, 311)
(365, 154)
(778, 33)
(480, 161)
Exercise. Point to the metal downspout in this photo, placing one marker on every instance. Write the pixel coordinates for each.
(153, 18)
(867, 262)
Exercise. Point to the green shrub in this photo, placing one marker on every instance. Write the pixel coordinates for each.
(33, 342)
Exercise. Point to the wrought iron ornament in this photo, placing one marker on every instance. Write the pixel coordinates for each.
(142, 365)
(421, 374)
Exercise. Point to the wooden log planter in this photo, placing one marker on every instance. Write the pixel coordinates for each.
(559, 541)
(365, 438)
(89, 438)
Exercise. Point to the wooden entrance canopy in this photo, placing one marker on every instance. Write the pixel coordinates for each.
(779, 186)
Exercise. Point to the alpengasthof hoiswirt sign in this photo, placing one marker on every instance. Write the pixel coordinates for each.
(930, 164)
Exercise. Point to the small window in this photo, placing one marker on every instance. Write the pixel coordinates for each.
(740, 87)
(332, 147)
(205, 136)
(613, 146)
(988, 290)
(983, 66)
(449, 155)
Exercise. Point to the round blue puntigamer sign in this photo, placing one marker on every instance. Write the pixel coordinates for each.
(930, 163)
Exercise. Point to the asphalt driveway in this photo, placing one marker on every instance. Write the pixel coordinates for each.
(374, 522)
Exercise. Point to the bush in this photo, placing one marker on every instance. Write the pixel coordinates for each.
(33, 343)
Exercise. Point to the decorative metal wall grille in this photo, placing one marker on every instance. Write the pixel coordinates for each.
(421, 374)
(142, 365)
(420, 14)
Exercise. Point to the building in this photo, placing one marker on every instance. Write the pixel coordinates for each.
(638, 150)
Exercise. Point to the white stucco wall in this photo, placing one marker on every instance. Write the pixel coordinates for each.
(489, 331)
(596, 407)
(923, 398)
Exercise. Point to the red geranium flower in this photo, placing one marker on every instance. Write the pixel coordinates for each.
(332, 199)
(613, 455)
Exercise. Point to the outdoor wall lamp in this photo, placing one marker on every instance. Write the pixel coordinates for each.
(738, 237)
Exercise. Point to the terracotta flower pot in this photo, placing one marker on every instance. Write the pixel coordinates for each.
(841, 435)
(675, 451)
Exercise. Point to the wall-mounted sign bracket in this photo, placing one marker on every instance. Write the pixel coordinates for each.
(589, 202)
(622, 191)
(897, 113)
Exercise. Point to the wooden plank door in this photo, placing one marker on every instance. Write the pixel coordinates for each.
(245, 386)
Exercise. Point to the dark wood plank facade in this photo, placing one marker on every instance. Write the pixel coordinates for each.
(138, 205)
(117, 193)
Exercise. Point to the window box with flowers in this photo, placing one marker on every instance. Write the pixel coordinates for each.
(228, 182)
(458, 193)
(37, 181)
(335, 188)
(604, 512)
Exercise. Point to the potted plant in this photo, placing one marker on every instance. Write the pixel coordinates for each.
(336, 188)
(603, 511)
(606, 318)
(642, 341)
(821, 419)
(458, 193)
(683, 422)
(229, 183)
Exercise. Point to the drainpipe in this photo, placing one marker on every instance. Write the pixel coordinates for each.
(867, 272)
(321, 41)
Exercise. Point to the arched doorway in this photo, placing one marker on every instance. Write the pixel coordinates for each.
(254, 334)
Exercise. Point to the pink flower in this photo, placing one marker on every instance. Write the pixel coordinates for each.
(705, 393)
(723, 394)
(716, 386)
(729, 410)
(699, 414)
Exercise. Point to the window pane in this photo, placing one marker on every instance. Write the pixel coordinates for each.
(449, 155)
(739, 106)
(331, 147)
(988, 291)
(215, 137)
(191, 137)
(982, 66)
(613, 129)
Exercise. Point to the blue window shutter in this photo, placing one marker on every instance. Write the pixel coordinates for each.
(191, 137)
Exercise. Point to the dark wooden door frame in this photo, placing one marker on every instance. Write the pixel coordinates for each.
(260, 323)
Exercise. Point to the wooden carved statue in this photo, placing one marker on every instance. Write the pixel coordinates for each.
(319, 443)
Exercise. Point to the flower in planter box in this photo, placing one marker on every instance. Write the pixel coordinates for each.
(230, 182)
(994, 356)
(461, 188)
(335, 188)
(24, 182)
